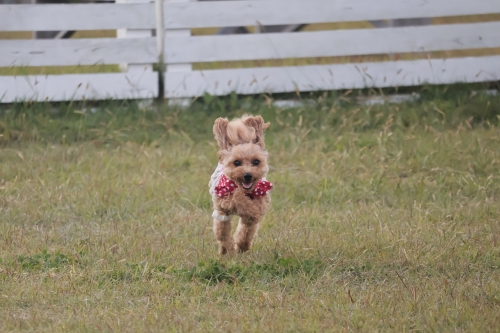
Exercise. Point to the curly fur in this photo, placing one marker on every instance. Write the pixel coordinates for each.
(238, 131)
(241, 140)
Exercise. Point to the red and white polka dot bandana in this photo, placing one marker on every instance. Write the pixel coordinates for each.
(227, 186)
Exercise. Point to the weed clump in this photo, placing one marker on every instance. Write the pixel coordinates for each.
(213, 271)
(44, 261)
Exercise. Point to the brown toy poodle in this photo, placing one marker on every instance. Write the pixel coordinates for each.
(238, 185)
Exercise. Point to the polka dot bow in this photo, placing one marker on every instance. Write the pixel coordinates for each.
(227, 186)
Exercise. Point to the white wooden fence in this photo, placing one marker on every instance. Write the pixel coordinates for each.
(179, 49)
(138, 49)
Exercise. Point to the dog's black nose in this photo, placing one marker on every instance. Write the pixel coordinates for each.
(248, 177)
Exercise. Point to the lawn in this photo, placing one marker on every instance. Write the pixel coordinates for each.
(384, 218)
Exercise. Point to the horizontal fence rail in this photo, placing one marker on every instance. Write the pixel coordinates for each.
(137, 49)
(76, 17)
(262, 12)
(332, 43)
(68, 52)
(227, 13)
(78, 87)
(332, 77)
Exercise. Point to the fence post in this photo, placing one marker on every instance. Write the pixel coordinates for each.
(187, 67)
(160, 47)
(135, 33)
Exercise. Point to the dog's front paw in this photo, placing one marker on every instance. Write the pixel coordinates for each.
(240, 198)
(241, 248)
(245, 207)
(226, 250)
(227, 204)
(241, 201)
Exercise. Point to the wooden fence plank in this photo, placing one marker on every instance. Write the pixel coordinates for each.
(228, 13)
(76, 17)
(250, 13)
(332, 43)
(78, 87)
(331, 77)
(68, 52)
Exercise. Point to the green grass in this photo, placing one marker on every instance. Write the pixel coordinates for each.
(384, 218)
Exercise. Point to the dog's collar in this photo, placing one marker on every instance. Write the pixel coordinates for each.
(227, 186)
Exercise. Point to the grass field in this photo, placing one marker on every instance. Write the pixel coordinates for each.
(384, 218)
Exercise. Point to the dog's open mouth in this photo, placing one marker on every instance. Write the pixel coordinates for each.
(247, 186)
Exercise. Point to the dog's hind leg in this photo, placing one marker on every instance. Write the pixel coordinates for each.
(244, 235)
(222, 232)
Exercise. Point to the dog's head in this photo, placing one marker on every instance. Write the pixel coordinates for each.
(245, 164)
(248, 129)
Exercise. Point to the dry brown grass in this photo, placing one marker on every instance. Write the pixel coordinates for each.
(384, 218)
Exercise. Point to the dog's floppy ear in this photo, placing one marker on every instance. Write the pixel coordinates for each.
(223, 153)
(259, 125)
(220, 132)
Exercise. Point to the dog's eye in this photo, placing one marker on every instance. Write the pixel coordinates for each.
(255, 162)
(237, 163)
